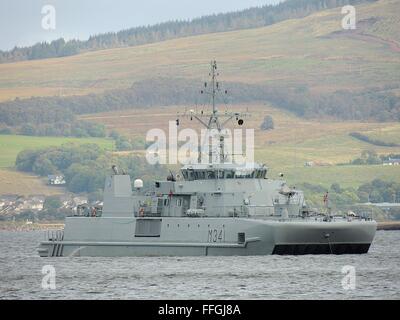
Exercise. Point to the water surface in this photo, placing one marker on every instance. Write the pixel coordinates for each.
(259, 277)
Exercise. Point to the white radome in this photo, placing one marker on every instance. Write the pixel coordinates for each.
(138, 184)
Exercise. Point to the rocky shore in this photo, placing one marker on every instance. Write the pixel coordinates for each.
(389, 225)
(27, 226)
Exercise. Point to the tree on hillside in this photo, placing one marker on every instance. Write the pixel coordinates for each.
(267, 124)
(26, 159)
(43, 166)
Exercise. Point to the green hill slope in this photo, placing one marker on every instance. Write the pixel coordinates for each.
(313, 51)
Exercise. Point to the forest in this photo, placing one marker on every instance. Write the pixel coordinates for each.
(42, 118)
(367, 104)
(376, 191)
(84, 166)
(245, 19)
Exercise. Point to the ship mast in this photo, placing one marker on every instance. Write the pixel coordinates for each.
(215, 85)
(214, 117)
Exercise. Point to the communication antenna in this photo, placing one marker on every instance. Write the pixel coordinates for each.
(113, 156)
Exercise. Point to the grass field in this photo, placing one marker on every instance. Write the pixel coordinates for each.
(346, 176)
(314, 51)
(389, 134)
(285, 149)
(11, 145)
(14, 182)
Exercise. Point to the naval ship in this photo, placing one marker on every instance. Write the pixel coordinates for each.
(215, 208)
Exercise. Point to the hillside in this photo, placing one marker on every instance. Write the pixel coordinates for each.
(245, 19)
(287, 148)
(313, 52)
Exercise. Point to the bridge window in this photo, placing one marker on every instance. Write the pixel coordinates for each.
(245, 174)
(210, 175)
(190, 175)
(229, 174)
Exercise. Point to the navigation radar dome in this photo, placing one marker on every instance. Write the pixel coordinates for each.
(138, 184)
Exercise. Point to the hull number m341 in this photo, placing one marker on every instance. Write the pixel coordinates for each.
(216, 235)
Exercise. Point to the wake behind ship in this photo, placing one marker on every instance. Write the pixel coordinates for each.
(209, 209)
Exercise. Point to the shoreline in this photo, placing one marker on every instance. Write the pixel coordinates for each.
(389, 225)
(35, 226)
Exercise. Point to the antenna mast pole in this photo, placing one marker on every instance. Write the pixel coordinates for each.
(213, 71)
(215, 87)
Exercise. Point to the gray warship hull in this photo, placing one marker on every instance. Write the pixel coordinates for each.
(202, 237)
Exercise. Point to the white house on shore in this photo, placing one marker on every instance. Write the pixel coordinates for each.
(391, 162)
(56, 180)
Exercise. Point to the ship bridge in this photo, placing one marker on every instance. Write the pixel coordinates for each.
(224, 171)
